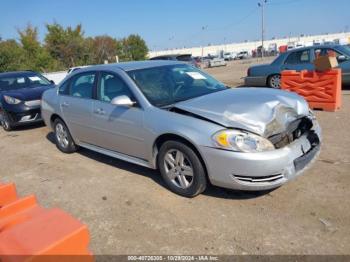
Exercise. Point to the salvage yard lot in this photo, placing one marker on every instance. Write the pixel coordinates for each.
(129, 211)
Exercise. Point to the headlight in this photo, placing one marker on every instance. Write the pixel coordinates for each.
(11, 100)
(241, 141)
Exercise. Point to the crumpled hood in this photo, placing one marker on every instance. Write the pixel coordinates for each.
(27, 94)
(263, 111)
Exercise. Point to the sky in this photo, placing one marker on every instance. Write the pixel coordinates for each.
(179, 23)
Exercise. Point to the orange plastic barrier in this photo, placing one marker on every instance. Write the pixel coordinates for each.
(322, 90)
(29, 232)
(7, 194)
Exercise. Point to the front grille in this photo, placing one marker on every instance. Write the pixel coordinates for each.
(259, 179)
(295, 130)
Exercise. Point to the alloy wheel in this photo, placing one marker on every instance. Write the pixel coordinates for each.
(62, 135)
(178, 168)
(275, 81)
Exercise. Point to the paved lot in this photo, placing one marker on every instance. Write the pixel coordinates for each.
(129, 211)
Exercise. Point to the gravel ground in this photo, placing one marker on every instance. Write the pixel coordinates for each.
(129, 211)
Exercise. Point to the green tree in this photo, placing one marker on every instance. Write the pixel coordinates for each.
(105, 48)
(34, 55)
(11, 56)
(66, 44)
(133, 48)
(66, 47)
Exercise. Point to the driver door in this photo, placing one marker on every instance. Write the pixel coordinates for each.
(117, 128)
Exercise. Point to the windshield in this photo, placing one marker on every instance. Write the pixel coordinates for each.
(185, 58)
(25, 80)
(345, 49)
(167, 85)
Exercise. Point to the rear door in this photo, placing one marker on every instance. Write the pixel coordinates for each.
(76, 104)
(117, 128)
(299, 60)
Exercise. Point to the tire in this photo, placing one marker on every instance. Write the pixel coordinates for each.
(274, 81)
(184, 176)
(5, 122)
(63, 138)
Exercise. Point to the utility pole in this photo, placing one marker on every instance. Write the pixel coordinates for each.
(262, 4)
(203, 28)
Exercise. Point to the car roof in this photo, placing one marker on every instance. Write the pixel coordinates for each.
(128, 66)
(16, 73)
(311, 47)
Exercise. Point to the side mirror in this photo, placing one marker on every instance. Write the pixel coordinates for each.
(342, 58)
(122, 101)
(52, 82)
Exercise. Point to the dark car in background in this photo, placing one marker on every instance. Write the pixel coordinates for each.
(20, 97)
(179, 57)
(298, 59)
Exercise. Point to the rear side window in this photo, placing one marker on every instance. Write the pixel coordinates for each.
(300, 57)
(82, 85)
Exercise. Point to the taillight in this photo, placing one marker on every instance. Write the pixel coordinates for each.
(248, 72)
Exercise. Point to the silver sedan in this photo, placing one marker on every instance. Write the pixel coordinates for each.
(173, 117)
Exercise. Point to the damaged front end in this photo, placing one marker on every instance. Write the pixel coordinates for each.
(281, 117)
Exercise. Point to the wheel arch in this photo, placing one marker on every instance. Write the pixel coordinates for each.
(54, 117)
(160, 140)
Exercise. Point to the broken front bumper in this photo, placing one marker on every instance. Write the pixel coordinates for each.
(261, 171)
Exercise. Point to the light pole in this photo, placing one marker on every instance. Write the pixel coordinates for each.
(262, 4)
(203, 28)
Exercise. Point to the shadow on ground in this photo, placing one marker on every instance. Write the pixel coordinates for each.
(28, 126)
(211, 191)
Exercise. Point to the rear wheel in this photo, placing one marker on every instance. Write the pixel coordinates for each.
(5, 121)
(181, 169)
(274, 81)
(64, 140)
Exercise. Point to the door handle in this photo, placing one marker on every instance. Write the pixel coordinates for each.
(64, 104)
(99, 111)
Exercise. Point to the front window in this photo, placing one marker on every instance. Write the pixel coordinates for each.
(326, 52)
(26, 80)
(345, 49)
(167, 85)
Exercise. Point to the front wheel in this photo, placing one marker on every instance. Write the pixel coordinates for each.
(5, 121)
(274, 81)
(181, 169)
(64, 140)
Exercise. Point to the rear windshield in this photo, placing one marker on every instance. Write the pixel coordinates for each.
(26, 80)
